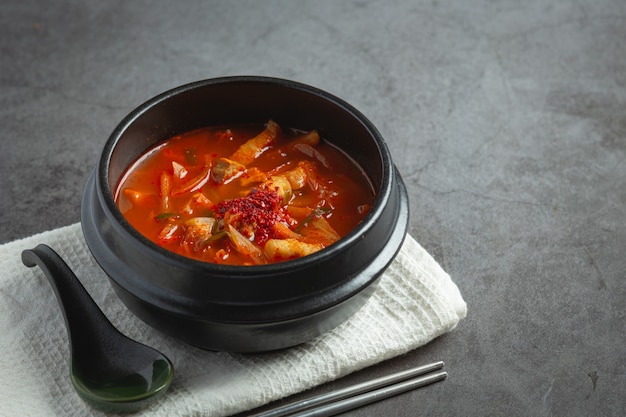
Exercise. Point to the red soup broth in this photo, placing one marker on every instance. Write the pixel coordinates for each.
(244, 195)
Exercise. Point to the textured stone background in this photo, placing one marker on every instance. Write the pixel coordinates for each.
(507, 120)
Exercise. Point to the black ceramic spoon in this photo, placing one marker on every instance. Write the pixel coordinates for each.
(108, 370)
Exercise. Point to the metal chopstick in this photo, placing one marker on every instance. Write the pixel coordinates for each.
(361, 394)
(350, 403)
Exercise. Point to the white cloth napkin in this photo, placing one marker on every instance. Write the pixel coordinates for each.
(416, 301)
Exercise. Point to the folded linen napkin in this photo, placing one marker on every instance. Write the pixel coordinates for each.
(415, 302)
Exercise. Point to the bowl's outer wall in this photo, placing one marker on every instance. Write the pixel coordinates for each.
(246, 337)
(250, 296)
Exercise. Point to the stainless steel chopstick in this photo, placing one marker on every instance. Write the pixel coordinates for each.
(350, 403)
(360, 394)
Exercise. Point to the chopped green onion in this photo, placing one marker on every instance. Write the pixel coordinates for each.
(318, 212)
(215, 237)
(164, 216)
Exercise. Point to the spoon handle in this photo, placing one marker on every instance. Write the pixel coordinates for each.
(83, 318)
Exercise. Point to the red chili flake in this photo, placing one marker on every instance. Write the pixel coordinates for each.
(255, 214)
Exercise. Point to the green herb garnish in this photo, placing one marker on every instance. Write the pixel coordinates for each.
(165, 216)
(214, 237)
(318, 212)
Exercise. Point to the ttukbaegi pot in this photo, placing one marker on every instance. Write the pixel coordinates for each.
(244, 308)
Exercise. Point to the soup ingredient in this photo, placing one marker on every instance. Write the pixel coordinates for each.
(244, 195)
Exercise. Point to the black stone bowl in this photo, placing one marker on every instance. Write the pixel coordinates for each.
(244, 308)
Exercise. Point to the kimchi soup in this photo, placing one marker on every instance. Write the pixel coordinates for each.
(244, 194)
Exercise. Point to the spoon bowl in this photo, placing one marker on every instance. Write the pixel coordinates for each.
(109, 371)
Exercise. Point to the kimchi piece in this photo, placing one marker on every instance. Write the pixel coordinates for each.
(244, 194)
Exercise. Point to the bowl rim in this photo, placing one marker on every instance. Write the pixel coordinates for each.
(383, 191)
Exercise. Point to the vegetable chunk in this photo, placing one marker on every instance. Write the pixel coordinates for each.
(283, 249)
(254, 147)
(226, 170)
(197, 231)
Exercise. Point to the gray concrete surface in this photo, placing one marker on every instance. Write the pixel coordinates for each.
(507, 120)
